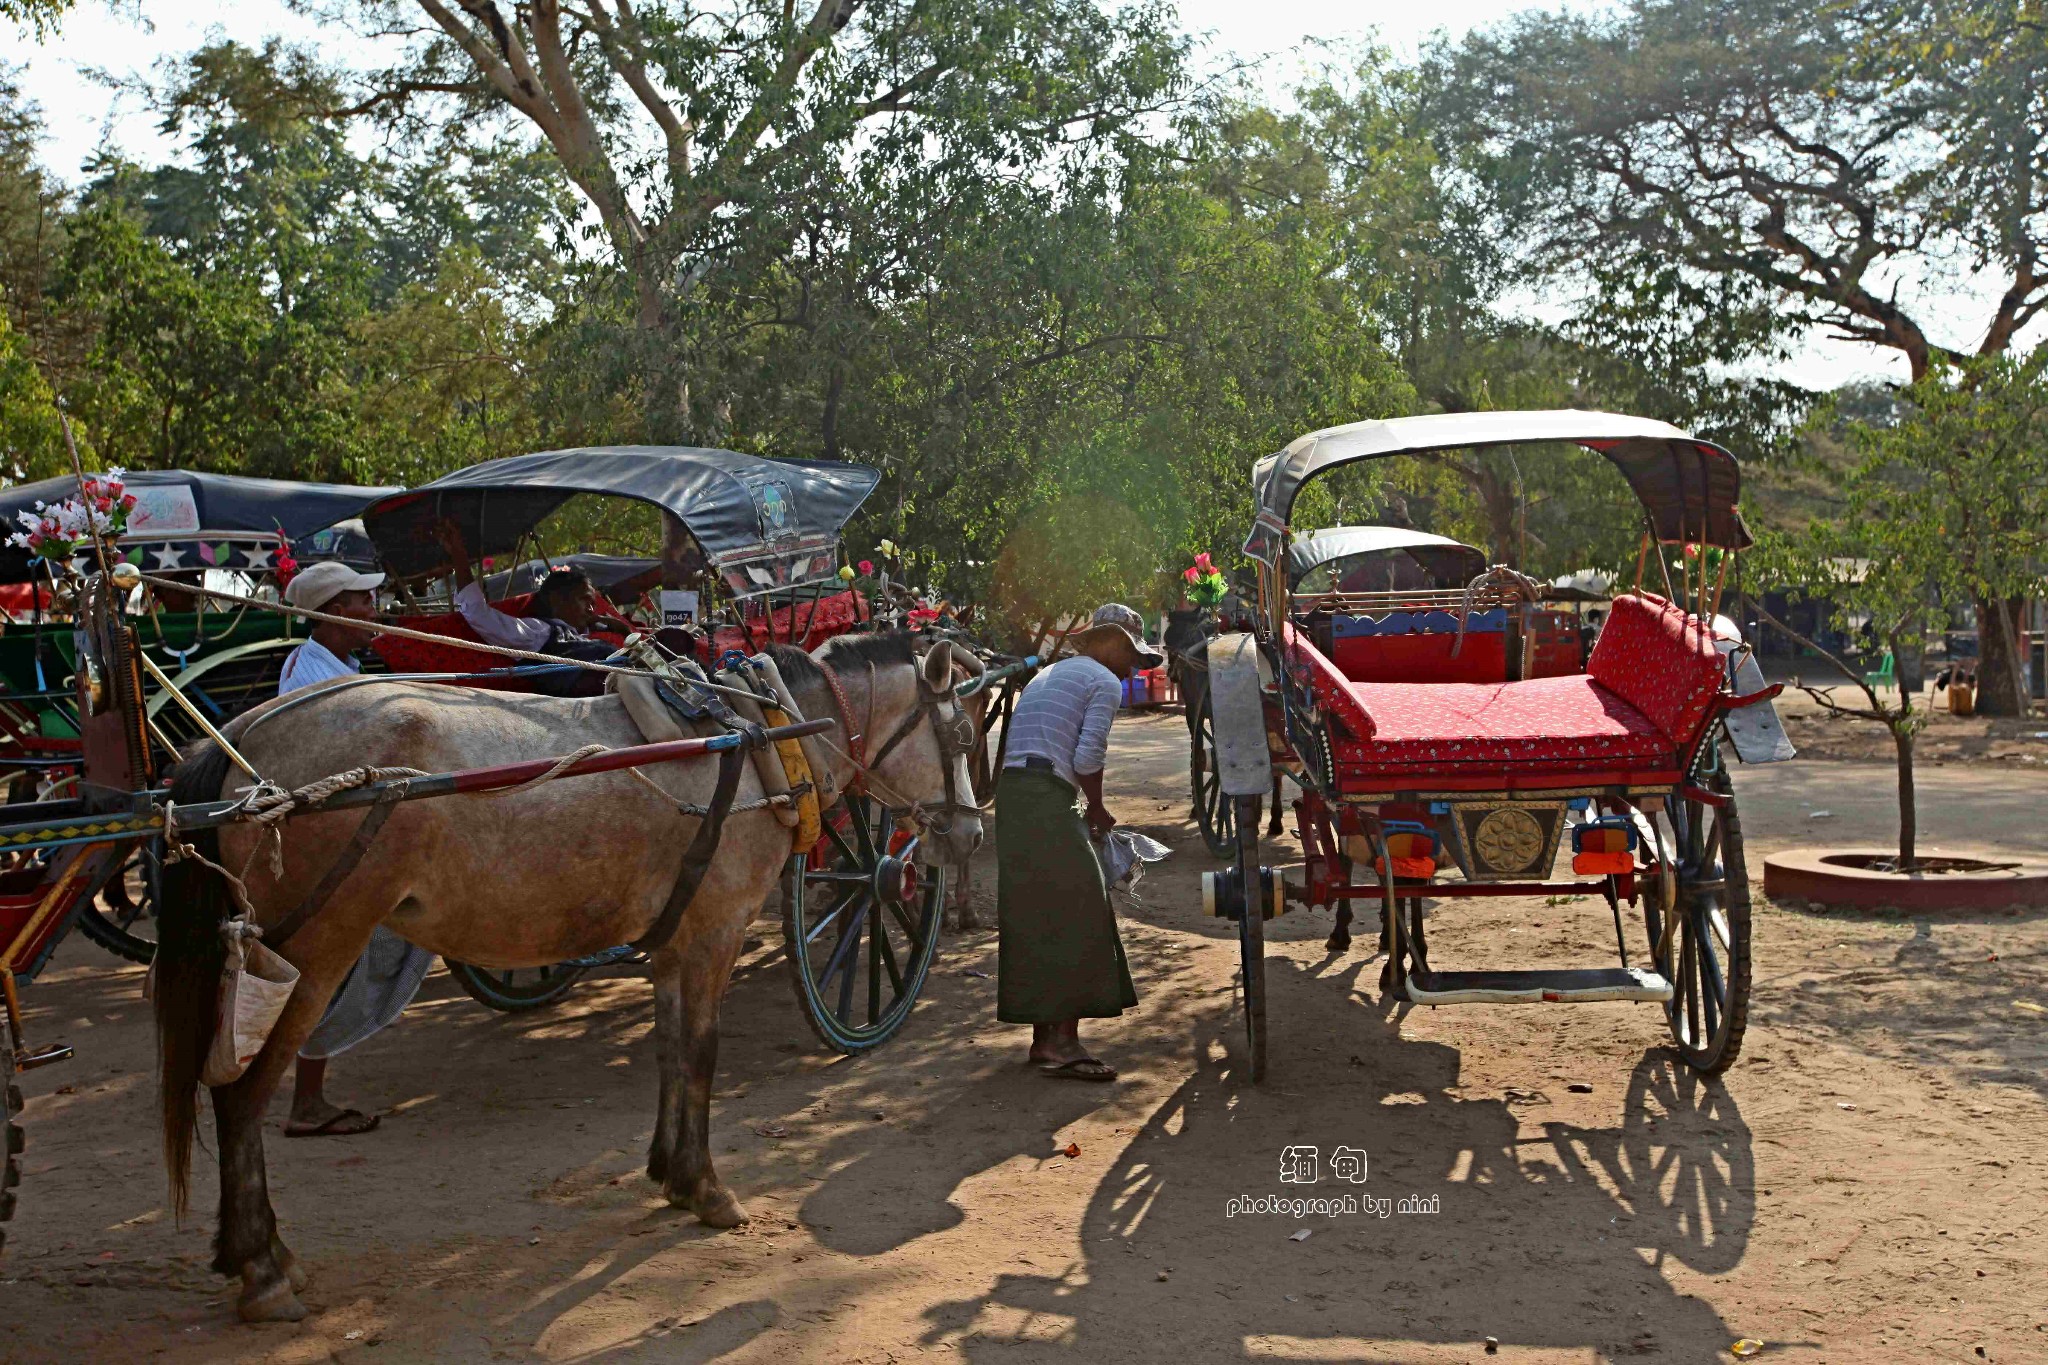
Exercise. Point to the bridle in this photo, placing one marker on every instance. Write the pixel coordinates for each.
(955, 734)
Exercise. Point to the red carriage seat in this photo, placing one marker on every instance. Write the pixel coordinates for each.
(1631, 717)
(403, 655)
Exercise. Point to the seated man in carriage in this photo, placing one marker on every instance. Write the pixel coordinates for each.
(559, 614)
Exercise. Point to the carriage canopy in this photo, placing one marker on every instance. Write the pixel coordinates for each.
(1688, 486)
(1439, 557)
(763, 524)
(187, 520)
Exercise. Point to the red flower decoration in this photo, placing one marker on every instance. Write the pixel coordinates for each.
(866, 566)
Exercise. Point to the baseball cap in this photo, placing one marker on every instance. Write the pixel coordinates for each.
(314, 586)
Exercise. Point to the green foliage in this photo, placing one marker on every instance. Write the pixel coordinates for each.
(40, 17)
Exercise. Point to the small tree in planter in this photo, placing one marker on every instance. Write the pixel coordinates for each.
(1928, 517)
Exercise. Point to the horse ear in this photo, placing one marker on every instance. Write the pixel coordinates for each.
(937, 666)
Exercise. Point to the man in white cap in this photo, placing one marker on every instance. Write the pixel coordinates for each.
(329, 652)
(1059, 959)
(388, 974)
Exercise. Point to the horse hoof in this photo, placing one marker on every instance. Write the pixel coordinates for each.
(1339, 942)
(721, 1210)
(273, 1302)
(295, 1274)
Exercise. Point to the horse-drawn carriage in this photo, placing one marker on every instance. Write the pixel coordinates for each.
(194, 528)
(862, 908)
(1430, 735)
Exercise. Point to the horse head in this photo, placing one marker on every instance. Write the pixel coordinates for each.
(914, 735)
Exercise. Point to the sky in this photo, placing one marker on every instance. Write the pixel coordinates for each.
(82, 114)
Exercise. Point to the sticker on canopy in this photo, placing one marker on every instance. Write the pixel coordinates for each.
(777, 509)
(167, 510)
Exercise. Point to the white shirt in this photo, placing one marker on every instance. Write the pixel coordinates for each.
(495, 627)
(1064, 717)
(312, 662)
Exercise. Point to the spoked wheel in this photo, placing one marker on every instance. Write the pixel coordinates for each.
(1251, 938)
(518, 988)
(122, 917)
(1214, 812)
(860, 920)
(1704, 951)
(11, 1138)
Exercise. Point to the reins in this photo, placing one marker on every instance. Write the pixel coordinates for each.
(953, 736)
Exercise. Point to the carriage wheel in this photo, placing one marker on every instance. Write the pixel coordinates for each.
(517, 988)
(1251, 938)
(861, 925)
(1214, 812)
(122, 917)
(1707, 959)
(11, 1138)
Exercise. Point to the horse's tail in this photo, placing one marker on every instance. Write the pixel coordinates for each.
(185, 980)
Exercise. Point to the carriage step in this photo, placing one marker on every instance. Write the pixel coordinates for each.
(1574, 985)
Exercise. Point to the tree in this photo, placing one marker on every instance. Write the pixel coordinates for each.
(1947, 501)
(1743, 169)
(697, 133)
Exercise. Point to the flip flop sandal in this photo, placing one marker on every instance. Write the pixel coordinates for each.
(1080, 1069)
(338, 1126)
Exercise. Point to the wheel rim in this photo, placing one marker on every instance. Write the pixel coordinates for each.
(122, 917)
(859, 945)
(1213, 810)
(516, 988)
(1707, 959)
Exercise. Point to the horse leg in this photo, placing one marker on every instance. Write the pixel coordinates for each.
(697, 971)
(668, 1063)
(248, 1243)
(1273, 825)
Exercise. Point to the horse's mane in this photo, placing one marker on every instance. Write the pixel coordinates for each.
(883, 649)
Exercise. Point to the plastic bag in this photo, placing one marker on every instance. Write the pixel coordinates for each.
(255, 986)
(1124, 853)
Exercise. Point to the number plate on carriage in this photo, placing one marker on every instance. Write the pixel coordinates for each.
(1501, 840)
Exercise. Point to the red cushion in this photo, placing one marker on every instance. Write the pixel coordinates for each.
(1660, 660)
(1540, 723)
(1331, 689)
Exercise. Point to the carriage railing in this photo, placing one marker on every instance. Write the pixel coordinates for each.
(1379, 603)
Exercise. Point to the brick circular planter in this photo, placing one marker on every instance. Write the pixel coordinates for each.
(1842, 876)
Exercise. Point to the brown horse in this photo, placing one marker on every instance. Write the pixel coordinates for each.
(522, 879)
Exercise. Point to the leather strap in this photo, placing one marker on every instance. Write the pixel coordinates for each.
(337, 871)
(856, 742)
(697, 857)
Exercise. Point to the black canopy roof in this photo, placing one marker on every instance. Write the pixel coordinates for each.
(178, 505)
(1688, 486)
(737, 506)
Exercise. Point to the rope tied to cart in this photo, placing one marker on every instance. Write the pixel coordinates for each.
(1513, 582)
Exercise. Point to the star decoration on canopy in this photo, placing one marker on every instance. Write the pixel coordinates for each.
(169, 557)
(258, 555)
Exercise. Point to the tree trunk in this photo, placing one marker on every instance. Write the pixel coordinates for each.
(1998, 662)
(1908, 818)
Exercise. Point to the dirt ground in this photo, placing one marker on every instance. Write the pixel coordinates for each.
(1860, 1187)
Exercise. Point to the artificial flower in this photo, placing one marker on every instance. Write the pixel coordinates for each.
(867, 566)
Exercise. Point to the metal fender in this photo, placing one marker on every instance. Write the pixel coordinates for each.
(1235, 674)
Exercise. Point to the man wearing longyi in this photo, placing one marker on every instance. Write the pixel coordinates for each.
(1060, 960)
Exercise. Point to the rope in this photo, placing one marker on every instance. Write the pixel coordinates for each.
(1516, 583)
(692, 809)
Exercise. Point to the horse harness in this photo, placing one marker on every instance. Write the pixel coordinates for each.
(955, 735)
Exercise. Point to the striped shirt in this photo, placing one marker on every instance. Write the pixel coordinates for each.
(1064, 717)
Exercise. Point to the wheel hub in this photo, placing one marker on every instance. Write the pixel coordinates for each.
(895, 880)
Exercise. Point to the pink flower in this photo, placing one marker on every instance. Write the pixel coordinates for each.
(1202, 563)
(866, 566)
(1191, 574)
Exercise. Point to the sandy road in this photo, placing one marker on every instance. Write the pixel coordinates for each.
(1862, 1186)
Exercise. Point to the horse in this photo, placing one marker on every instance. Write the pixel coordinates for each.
(524, 878)
(1186, 642)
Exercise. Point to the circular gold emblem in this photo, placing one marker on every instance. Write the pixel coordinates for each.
(1509, 840)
